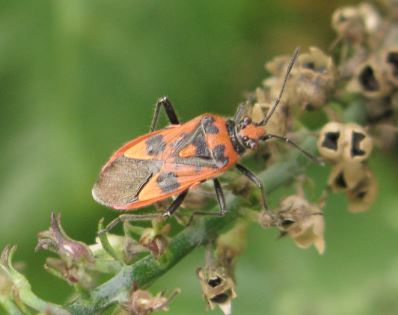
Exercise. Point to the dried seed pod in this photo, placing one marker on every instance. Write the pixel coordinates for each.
(371, 79)
(348, 24)
(330, 141)
(302, 221)
(155, 240)
(345, 176)
(364, 194)
(314, 79)
(218, 288)
(357, 143)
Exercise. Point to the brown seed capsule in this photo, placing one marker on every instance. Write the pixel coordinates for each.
(363, 195)
(345, 176)
(302, 221)
(357, 143)
(218, 287)
(330, 141)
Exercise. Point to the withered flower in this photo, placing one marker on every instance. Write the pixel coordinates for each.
(155, 239)
(56, 240)
(76, 257)
(142, 302)
(302, 221)
(218, 288)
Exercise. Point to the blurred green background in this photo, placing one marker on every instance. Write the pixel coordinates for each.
(79, 78)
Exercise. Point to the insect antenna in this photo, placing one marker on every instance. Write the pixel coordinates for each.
(296, 146)
(276, 103)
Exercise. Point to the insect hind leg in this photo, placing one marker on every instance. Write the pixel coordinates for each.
(221, 202)
(147, 217)
(170, 112)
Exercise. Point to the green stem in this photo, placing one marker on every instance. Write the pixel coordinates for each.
(148, 269)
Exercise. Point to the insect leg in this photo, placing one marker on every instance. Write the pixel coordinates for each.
(256, 181)
(221, 203)
(170, 112)
(130, 217)
(220, 197)
(175, 204)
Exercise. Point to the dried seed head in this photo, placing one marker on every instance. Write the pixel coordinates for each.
(345, 176)
(348, 24)
(364, 194)
(357, 143)
(142, 302)
(330, 141)
(371, 79)
(302, 221)
(313, 80)
(218, 288)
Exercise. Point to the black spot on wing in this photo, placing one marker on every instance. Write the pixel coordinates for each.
(155, 145)
(201, 146)
(167, 182)
(209, 126)
(219, 155)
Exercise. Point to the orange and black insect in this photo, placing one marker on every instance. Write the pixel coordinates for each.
(168, 162)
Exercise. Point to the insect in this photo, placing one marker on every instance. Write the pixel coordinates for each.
(168, 162)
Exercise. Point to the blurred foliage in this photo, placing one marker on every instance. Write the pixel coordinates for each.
(79, 78)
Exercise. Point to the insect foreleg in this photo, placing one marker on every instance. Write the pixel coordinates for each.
(256, 181)
(175, 204)
(170, 112)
